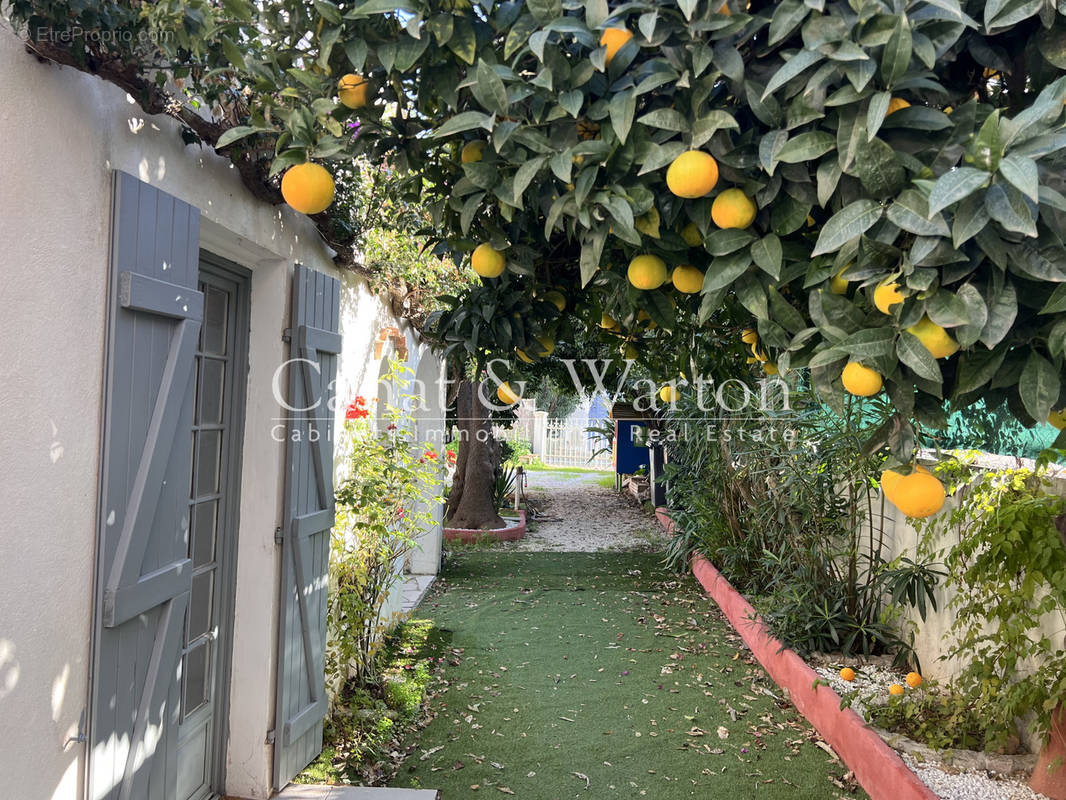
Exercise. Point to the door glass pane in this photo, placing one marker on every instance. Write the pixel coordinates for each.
(216, 309)
(211, 379)
(204, 519)
(195, 671)
(200, 604)
(208, 459)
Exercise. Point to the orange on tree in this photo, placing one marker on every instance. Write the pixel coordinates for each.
(558, 299)
(895, 104)
(352, 90)
(895, 690)
(770, 368)
(1057, 418)
(749, 336)
(687, 279)
(307, 188)
(613, 39)
(918, 495)
(692, 174)
(847, 674)
(838, 284)
(647, 272)
(472, 151)
(547, 344)
(691, 234)
(733, 209)
(609, 323)
(669, 394)
(487, 261)
(507, 395)
(914, 680)
(860, 380)
(886, 295)
(936, 340)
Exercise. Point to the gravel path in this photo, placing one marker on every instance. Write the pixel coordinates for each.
(590, 517)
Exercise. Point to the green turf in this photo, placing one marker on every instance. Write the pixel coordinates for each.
(567, 665)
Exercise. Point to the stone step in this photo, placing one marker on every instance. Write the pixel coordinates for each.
(305, 791)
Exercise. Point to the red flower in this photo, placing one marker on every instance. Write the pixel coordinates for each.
(451, 456)
(357, 409)
(391, 427)
(431, 454)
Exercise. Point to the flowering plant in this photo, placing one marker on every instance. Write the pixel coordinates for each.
(382, 505)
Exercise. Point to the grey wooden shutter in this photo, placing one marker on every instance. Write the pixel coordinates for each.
(308, 517)
(143, 576)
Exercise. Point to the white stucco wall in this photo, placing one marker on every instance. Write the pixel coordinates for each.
(64, 132)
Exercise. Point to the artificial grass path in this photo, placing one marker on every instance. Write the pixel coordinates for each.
(598, 675)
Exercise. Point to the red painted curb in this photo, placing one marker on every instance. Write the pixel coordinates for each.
(468, 535)
(877, 766)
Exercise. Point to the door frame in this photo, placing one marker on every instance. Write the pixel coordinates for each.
(233, 444)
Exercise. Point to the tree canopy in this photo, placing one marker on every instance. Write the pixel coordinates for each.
(917, 143)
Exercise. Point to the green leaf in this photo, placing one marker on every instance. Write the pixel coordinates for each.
(545, 10)
(976, 315)
(806, 147)
(622, 107)
(1007, 206)
(356, 51)
(869, 343)
(490, 90)
(463, 41)
(470, 208)
(837, 316)
(767, 255)
(1057, 302)
(1002, 311)
(236, 57)
(987, 148)
(787, 16)
(913, 353)
(977, 368)
(724, 241)
(750, 292)
(849, 223)
(230, 136)
(783, 313)
(519, 34)
(465, 121)
(1038, 386)
(953, 186)
(795, 66)
(910, 211)
(970, 219)
(596, 13)
(875, 113)
(878, 167)
(897, 54)
(572, 101)
(591, 250)
(1022, 174)
(667, 119)
(524, 176)
(710, 123)
(946, 310)
(724, 270)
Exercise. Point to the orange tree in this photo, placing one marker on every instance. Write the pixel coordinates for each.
(887, 181)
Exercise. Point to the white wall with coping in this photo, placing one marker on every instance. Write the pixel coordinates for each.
(66, 132)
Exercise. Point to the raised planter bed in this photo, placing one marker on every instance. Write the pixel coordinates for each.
(877, 766)
(511, 533)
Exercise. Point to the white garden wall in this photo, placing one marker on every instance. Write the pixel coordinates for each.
(63, 133)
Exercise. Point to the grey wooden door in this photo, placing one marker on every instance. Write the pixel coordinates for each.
(308, 518)
(214, 491)
(143, 571)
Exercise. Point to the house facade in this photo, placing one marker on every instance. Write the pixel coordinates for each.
(176, 351)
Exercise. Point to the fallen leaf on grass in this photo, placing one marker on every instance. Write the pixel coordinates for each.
(504, 789)
(723, 732)
(583, 777)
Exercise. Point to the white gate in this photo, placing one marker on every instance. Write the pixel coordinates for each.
(569, 444)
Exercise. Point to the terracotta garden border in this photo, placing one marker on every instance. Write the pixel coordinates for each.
(877, 766)
(509, 534)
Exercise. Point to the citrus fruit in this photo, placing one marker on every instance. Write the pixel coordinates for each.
(669, 394)
(839, 284)
(556, 298)
(770, 368)
(847, 674)
(352, 89)
(507, 395)
(895, 690)
(547, 344)
(936, 340)
(607, 322)
(692, 174)
(308, 188)
(861, 381)
(471, 152)
(895, 104)
(613, 39)
(522, 355)
(733, 209)
(1057, 418)
(918, 495)
(914, 680)
(691, 234)
(887, 295)
(487, 261)
(889, 481)
(630, 352)
(647, 272)
(749, 336)
(687, 278)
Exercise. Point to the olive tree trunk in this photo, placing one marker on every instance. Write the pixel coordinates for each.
(472, 501)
